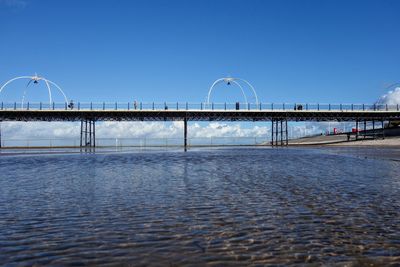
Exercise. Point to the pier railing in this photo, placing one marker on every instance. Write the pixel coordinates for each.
(132, 106)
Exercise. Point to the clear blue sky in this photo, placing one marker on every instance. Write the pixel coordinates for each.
(292, 51)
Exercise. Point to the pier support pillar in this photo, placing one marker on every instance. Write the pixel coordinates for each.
(88, 133)
(279, 132)
(286, 133)
(185, 134)
(373, 129)
(365, 128)
(272, 132)
(357, 130)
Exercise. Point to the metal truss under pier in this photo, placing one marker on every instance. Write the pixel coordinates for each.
(375, 132)
(195, 115)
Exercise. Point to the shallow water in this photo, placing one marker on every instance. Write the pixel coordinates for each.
(217, 207)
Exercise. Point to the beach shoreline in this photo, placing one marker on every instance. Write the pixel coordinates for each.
(342, 140)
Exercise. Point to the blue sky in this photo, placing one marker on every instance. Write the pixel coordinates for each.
(291, 51)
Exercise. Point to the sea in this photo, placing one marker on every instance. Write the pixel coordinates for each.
(238, 206)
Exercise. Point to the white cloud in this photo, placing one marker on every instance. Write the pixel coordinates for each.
(139, 129)
(390, 98)
(32, 130)
(216, 129)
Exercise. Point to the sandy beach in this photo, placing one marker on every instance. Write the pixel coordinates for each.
(389, 141)
(392, 139)
(341, 140)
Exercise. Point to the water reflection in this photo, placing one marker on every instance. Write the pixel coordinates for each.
(218, 207)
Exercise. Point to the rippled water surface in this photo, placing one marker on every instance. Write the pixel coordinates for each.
(206, 207)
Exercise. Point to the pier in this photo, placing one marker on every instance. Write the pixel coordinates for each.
(278, 115)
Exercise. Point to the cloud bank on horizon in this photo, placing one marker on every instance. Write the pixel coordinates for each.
(158, 130)
(32, 130)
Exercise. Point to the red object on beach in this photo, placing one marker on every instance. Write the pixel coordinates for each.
(354, 130)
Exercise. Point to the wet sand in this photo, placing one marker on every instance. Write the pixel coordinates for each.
(376, 152)
(389, 141)
(385, 149)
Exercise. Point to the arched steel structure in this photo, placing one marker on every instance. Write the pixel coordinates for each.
(393, 85)
(36, 79)
(236, 81)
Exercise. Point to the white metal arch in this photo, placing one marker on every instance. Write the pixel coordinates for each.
(235, 81)
(252, 88)
(243, 93)
(48, 89)
(393, 85)
(59, 89)
(227, 81)
(36, 79)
